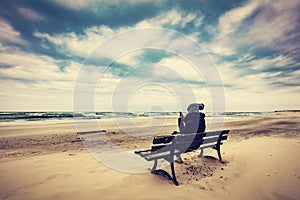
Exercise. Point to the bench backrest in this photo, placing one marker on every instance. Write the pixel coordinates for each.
(213, 138)
(183, 143)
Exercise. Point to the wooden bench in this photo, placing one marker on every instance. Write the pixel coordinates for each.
(168, 147)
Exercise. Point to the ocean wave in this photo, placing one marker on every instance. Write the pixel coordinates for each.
(41, 116)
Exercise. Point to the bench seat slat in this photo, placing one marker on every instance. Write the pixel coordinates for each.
(155, 156)
(188, 142)
(190, 137)
(143, 154)
(210, 145)
(210, 140)
(212, 134)
(216, 133)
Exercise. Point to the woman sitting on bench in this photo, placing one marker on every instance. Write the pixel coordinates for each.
(194, 121)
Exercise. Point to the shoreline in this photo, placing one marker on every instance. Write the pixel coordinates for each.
(53, 119)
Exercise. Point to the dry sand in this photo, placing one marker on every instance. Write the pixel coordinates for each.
(48, 161)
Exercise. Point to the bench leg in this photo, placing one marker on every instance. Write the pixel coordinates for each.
(201, 154)
(173, 174)
(163, 172)
(154, 166)
(219, 152)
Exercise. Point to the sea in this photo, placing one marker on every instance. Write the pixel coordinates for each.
(65, 116)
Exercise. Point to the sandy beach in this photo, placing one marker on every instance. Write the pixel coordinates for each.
(49, 161)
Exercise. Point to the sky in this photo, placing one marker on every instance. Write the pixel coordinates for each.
(234, 55)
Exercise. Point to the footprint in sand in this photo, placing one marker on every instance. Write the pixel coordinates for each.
(53, 176)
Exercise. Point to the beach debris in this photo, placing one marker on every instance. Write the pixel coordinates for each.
(90, 132)
(77, 140)
(198, 172)
(201, 187)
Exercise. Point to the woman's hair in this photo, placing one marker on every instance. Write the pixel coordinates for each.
(195, 107)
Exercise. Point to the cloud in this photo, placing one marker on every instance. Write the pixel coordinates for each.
(259, 91)
(8, 35)
(35, 82)
(30, 14)
(172, 70)
(82, 4)
(171, 18)
(177, 69)
(79, 45)
(258, 75)
(255, 51)
(31, 67)
(226, 41)
(277, 63)
(255, 25)
(231, 20)
(76, 4)
(92, 38)
(129, 59)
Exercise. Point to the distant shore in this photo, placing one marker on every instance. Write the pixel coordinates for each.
(287, 111)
